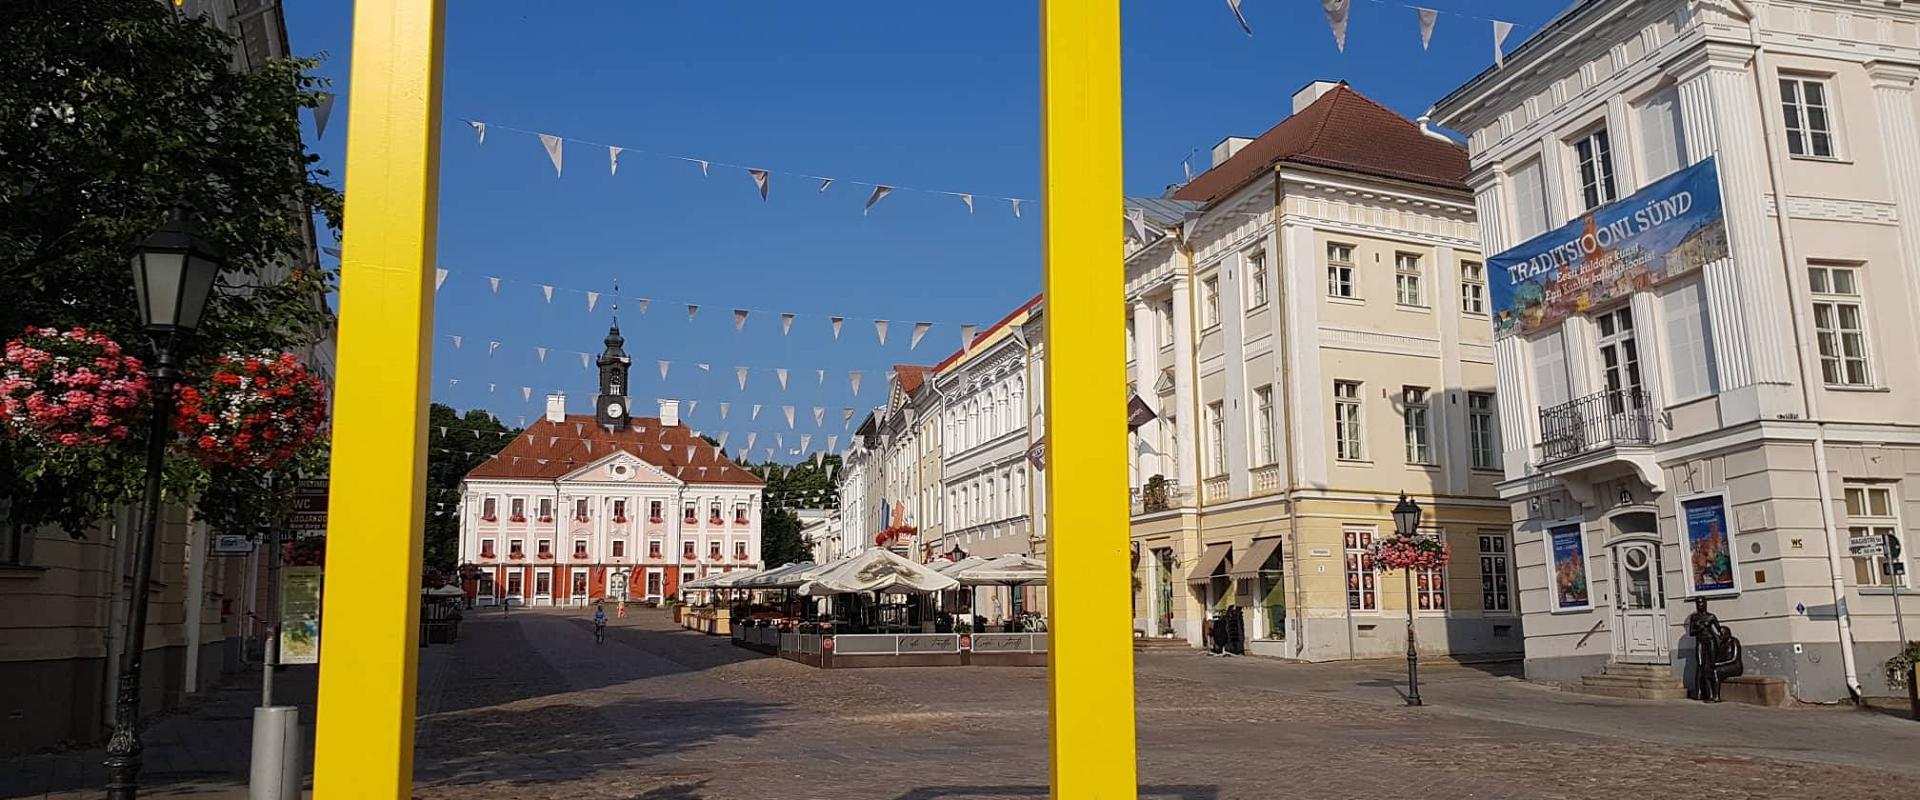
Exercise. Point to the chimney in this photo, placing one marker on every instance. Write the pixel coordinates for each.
(557, 407)
(669, 413)
(1227, 147)
(1313, 91)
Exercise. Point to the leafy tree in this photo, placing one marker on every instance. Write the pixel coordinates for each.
(450, 456)
(780, 541)
(112, 114)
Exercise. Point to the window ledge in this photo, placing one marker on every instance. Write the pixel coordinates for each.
(1422, 466)
(1399, 306)
(1346, 301)
(1838, 387)
(1887, 591)
(1821, 159)
(1354, 462)
(1475, 314)
(1261, 307)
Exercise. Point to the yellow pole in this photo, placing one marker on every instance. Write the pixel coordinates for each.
(371, 611)
(1090, 658)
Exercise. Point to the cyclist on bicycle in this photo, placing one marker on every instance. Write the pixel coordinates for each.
(599, 623)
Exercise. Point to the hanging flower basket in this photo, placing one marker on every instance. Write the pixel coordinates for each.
(1403, 552)
(69, 389)
(251, 411)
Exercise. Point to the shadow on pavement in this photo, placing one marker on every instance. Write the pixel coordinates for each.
(1174, 792)
(565, 741)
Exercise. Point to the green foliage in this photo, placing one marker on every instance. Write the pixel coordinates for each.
(449, 458)
(780, 541)
(800, 485)
(1901, 665)
(112, 113)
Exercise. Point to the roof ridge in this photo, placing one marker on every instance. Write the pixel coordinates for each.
(1320, 127)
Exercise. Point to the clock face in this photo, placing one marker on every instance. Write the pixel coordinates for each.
(615, 411)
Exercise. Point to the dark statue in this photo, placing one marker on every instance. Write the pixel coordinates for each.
(1716, 652)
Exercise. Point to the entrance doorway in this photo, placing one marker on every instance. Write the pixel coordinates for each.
(1640, 604)
(1163, 592)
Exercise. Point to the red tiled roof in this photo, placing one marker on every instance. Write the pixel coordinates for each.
(983, 335)
(1341, 130)
(522, 458)
(911, 376)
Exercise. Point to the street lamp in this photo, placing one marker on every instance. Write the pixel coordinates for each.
(956, 553)
(1406, 523)
(173, 274)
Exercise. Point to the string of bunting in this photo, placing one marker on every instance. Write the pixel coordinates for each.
(741, 373)
(1340, 13)
(556, 146)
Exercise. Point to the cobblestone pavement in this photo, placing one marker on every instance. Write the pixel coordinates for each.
(527, 706)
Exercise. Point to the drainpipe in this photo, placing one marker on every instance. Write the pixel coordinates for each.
(1790, 259)
(1431, 133)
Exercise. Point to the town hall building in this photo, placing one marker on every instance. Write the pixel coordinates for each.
(580, 508)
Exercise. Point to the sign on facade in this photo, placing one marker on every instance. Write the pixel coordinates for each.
(309, 506)
(300, 615)
(231, 544)
(1671, 228)
(1567, 555)
(1710, 554)
(1037, 454)
(1867, 546)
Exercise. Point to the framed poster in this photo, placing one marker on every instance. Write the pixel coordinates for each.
(1567, 558)
(1712, 567)
(300, 615)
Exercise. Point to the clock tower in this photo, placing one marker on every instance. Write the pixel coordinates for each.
(610, 405)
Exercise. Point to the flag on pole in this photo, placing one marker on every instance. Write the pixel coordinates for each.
(553, 144)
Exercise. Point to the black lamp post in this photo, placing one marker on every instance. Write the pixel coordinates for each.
(173, 274)
(956, 553)
(1406, 522)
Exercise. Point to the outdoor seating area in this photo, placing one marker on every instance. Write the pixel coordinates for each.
(872, 609)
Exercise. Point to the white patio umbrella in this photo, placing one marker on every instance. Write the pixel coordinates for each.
(1008, 570)
(876, 570)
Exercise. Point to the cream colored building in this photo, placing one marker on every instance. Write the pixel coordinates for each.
(1309, 330)
(1762, 408)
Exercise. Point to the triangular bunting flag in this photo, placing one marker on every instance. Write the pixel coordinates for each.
(780, 440)
(819, 415)
(613, 160)
(740, 374)
(739, 320)
(833, 442)
(703, 167)
(439, 277)
(919, 330)
(588, 443)
(769, 453)
(495, 283)
(1500, 31)
(492, 346)
(692, 309)
(1428, 17)
(548, 291)
(1337, 12)
(543, 354)
(552, 440)
(642, 304)
(593, 298)
(968, 199)
(806, 439)
(723, 438)
(837, 322)
(724, 405)
(751, 437)
(820, 376)
(585, 362)
(818, 456)
(966, 336)
(526, 393)
(824, 183)
(782, 373)
(553, 144)
(1235, 5)
(479, 128)
(853, 378)
(756, 412)
(760, 181)
(663, 369)
(578, 428)
(788, 411)
(880, 330)
(1137, 225)
(786, 324)
(691, 405)
(456, 341)
(879, 193)
(846, 418)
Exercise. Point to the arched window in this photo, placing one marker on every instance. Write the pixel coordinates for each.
(1020, 497)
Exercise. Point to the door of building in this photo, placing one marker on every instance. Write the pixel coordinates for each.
(617, 585)
(1640, 604)
(1163, 591)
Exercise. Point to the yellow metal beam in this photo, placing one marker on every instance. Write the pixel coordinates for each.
(364, 730)
(1090, 654)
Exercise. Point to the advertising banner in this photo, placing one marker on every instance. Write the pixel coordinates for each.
(300, 615)
(1567, 555)
(1671, 228)
(1710, 558)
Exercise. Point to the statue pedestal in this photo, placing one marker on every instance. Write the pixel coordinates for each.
(1755, 690)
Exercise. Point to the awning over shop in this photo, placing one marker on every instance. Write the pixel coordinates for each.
(1210, 562)
(1257, 554)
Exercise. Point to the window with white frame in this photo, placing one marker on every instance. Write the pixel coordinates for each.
(1209, 302)
(542, 583)
(1473, 287)
(1871, 511)
(1340, 271)
(519, 509)
(1166, 323)
(1496, 587)
(515, 584)
(1020, 491)
(1593, 155)
(1480, 445)
(1263, 425)
(1529, 190)
(1216, 439)
(489, 509)
(546, 509)
(1620, 361)
(1840, 325)
(1006, 494)
(580, 509)
(1663, 143)
(1363, 578)
(516, 548)
(619, 548)
(1417, 414)
(1256, 279)
(486, 548)
(993, 501)
(1809, 117)
(1407, 290)
(1348, 444)
(1690, 367)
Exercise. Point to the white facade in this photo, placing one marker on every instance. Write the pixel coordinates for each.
(986, 481)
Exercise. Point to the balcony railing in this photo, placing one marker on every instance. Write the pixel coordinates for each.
(1266, 480)
(1596, 422)
(1216, 489)
(1164, 496)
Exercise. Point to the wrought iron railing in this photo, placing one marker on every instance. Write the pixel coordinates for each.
(1605, 419)
(1160, 495)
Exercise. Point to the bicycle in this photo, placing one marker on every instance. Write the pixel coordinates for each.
(599, 631)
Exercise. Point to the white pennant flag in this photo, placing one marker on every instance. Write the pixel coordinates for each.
(692, 309)
(739, 320)
(782, 373)
(704, 366)
(819, 415)
(1016, 206)
(740, 374)
(788, 411)
(756, 412)
(456, 341)
(968, 199)
(880, 329)
(490, 390)
(824, 183)
(526, 393)
(966, 336)
(1428, 17)
(663, 369)
(1137, 225)
(691, 405)
(553, 144)
(806, 439)
(833, 442)
(548, 291)
(786, 324)
(780, 440)
(613, 160)
(818, 456)
(723, 438)
(703, 167)
(585, 361)
(451, 382)
(1235, 5)
(579, 428)
(853, 378)
(820, 376)
(543, 354)
(495, 283)
(479, 128)
(492, 346)
(751, 437)
(769, 452)
(919, 330)
(552, 440)
(724, 405)
(879, 193)
(760, 181)
(642, 304)
(1500, 31)
(837, 322)
(589, 444)
(1337, 11)
(439, 277)
(593, 298)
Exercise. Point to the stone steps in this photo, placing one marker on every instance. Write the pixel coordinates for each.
(1160, 643)
(1635, 681)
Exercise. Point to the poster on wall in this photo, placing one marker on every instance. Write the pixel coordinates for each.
(1710, 559)
(300, 615)
(1567, 555)
(1671, 228)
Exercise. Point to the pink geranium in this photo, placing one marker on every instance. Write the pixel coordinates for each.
(252, 411)
(69, 388)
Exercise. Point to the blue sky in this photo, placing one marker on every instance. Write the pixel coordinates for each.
(938, 95)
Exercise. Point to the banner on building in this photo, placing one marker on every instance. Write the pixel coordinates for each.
(1567, 555)
(1037, 455)
(300, 615)
(1671, 228)
(1138, 413)
(1710, 558)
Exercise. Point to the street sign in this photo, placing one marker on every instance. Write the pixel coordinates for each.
(231, 544)
(309, 506)
(1894, 566)
(1871, 546)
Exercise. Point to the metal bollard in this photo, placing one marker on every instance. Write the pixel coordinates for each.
(277, 754)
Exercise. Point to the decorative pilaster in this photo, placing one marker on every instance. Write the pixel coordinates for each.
(1893, 97)
(1184, 345)
(1307, 388)
(1146, 368)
